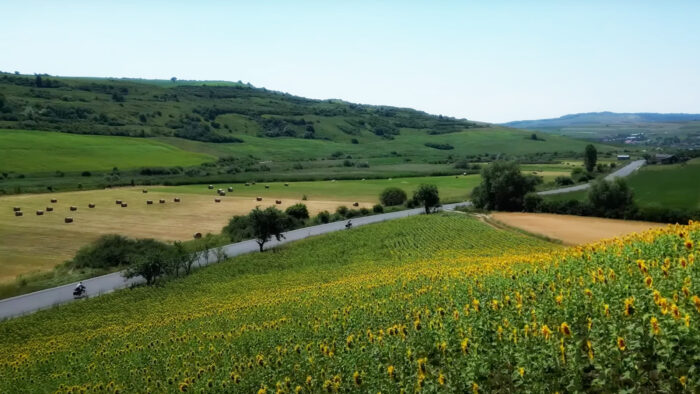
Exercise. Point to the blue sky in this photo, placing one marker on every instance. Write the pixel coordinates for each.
(484, 60)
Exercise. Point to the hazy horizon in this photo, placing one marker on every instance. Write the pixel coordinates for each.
(495, 62)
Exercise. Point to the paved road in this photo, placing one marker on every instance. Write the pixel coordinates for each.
(32, 302)
(622, 172)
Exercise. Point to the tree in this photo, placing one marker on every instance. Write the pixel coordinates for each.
(268, 223)
(298, 211)
(612, 198)
(150, 261)
(590, 157)
(392, 196)
(3, 100)
(173, 79)
(427, 195)
(503, 187)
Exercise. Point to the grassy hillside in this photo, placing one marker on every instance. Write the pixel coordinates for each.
(664, 186)
(433, 303)
(47, 152)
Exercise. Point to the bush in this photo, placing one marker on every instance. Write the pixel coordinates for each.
(342, 210)
(579, 175)
(611, 198)
(86, 173)
(378, 208)
(439, 146)
(298, 211)
(563, 180)
(427, 195)
(106, 252)
(323, 217)
(392, 196)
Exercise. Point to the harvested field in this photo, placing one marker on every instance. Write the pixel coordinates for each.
(34, 243)
(571, 230)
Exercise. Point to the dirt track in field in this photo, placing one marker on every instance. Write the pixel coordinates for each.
(571, 230)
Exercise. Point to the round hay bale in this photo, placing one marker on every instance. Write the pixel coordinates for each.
(253, 183)
(39, 212)
(230, 189)
(49, 209)
(286, 184)
(53, 200)
(211, 187)
(247, 184)
(124, 205)
(144, 191)
(267, 186)
(18, 213)
(222, 194)
(278, 202)
(258, 198)
(149, 202)
(73, 208)
(176, 199)
(16, 209)
(217, 200)
(68, 220)
(197, 235)
(91, 205)
(118, 202)
(161, 201)
(355, 204)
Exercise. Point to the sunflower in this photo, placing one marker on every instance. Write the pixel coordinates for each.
(649, 281)
(629, 306)
(441, 379)
(357, 378)
(621, 344)
(390, 371)
(546, 332)
(565, 330)
(655, 329)
(689, 244)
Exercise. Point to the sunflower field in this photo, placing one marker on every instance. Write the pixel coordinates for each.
(429, 304)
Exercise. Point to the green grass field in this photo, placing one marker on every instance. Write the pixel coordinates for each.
(430, 303)
(665, 186)
(47, 152)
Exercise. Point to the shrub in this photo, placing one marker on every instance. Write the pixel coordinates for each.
(503, 187)
(427, 195)
(563, 180)
(298, 211)
(611, 198)
(439, 146)
(323, 217)
(342, 210)
(86, 173)
(392, 196)
(378, 208)
(107, 251)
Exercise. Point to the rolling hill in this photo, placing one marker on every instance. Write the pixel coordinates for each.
(656, 129)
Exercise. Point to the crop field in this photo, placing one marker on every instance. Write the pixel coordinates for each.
(32, 243)
(47, 152)
(571, 230)
(426, 303)
(671, 186)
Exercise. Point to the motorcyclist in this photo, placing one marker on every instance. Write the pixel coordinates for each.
(79, 288)
(348, 224)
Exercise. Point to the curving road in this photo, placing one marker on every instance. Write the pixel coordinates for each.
(43, 299)
(622, 172)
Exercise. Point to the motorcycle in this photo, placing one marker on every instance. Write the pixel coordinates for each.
(79, 292)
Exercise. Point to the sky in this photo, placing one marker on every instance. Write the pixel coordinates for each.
(492, 61)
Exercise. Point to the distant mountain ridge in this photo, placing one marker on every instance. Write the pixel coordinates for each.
(599, 118)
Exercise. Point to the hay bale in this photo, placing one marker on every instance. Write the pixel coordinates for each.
(267, 186)
(73, 208)
(18, 213)
(176, 199)
(230, 189)
(247, 184)
(253, 183)
(16, 209)
(124, 205)
(144, 191)
(118, 202)
(222, 194)
(161, 201)
(49, 209)
(68, 220)
(91, 205)
(355, 204)
(217, 200)
(39, 212)
(53, 200)
(286, 184)
(278, 202)
(197, 235)
(149, 202)
(258, 198)
(211, 187)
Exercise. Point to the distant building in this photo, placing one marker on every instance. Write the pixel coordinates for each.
(666, 159)
(623, 157)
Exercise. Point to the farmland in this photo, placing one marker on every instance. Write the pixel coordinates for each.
(670, 186)
(432, 303)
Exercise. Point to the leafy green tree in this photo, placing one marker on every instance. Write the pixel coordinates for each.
(612, 198)
(268, 223)
(590, 157)
(150, 261)
(503, 187)
(3, 101)
(392, 196)
(427, 195)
